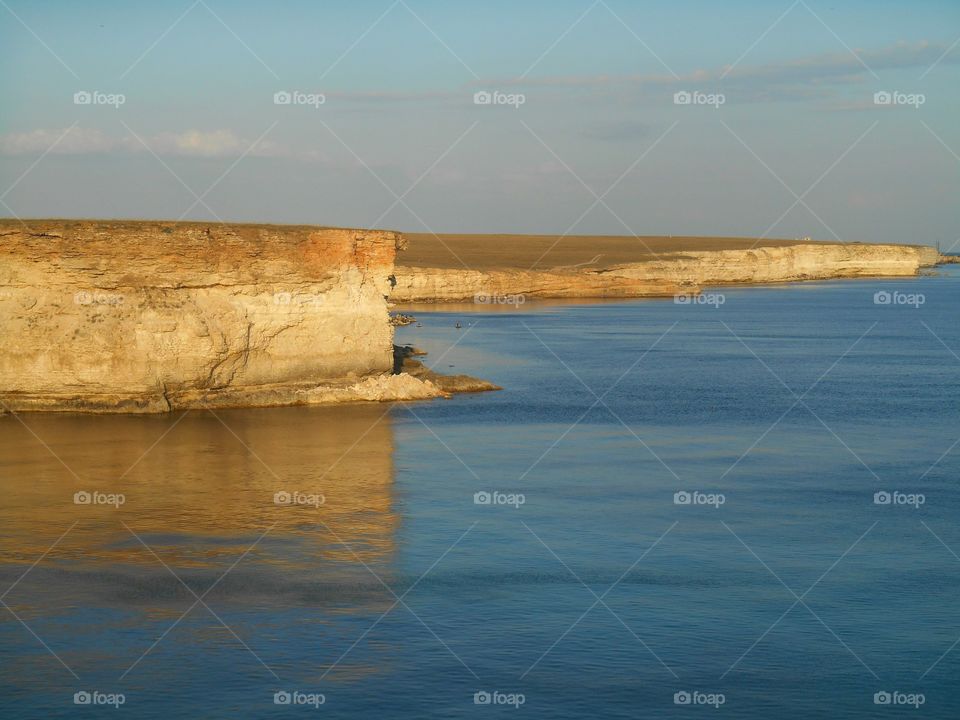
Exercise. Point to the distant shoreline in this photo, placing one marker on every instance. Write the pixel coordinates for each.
(491, 268)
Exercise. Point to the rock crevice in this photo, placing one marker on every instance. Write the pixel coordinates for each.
(120, 316)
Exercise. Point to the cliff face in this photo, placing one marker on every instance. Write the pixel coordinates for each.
(669, 274)
(151, 316)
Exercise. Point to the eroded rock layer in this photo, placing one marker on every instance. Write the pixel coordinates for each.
(152, 316)
(667, 274)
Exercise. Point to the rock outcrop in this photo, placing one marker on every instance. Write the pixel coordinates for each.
(141, 317)
(405, 365)
(667, 274)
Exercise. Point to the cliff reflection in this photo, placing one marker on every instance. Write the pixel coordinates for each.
(199, 488)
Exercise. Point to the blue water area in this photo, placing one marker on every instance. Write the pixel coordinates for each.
(747, 508)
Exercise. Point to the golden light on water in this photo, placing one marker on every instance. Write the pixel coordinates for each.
(200, 489)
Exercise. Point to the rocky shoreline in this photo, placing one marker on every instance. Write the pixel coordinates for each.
(149, 317)
(677, 274)
(152, 316)
(406, 364)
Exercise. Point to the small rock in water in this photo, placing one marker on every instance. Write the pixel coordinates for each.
(400, 319)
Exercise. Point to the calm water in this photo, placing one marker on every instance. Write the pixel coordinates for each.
(598, 596)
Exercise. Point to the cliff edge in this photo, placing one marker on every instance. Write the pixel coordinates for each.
(118, 316)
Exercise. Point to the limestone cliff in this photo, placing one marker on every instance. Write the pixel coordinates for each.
(126, 316)
(151, 316)
(667, 274)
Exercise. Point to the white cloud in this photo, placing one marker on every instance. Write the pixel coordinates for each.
(73, 141)
(87, 141)
(215, 143)
(790, 77)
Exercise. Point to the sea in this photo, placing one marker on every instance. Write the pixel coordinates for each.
(739, 505)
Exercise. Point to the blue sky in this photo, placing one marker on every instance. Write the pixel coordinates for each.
(798, 117)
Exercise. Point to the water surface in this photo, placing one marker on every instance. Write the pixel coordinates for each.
(598, 596)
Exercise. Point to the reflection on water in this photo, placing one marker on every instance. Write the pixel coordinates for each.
(199, 488)
(198, 518)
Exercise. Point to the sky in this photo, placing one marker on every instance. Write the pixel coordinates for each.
(614, 117)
